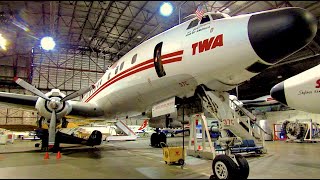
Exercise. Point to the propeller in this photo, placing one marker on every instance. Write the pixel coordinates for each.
(52, 129)
(54, 104)
(31, 88)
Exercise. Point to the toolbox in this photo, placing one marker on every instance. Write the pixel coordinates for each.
(173, 155)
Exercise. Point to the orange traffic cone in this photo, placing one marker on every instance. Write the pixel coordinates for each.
(58, 155)
(46, 156)
(199, 147)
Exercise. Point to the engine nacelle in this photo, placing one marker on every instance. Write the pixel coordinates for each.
(45, 110)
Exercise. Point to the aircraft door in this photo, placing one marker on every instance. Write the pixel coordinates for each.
(158, 60)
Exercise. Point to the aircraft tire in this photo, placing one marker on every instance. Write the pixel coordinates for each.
(224, 167)
(162, 138)
(64, 123)
(243, 165)
(154, 140)
(39, 122)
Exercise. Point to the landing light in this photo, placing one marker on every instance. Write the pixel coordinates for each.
(166, 9)
(47, 43)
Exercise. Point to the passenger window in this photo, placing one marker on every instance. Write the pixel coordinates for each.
(194, 23)
(121, 66)
(134, 58)
(116, 70)
(216, 16)
(205, 19)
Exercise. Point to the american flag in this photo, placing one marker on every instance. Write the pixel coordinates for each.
(199, 12)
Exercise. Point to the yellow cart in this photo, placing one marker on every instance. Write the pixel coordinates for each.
(173, 154)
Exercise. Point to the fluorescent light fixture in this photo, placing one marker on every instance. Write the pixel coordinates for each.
(47, 43)
(166, 9)
(3, 42)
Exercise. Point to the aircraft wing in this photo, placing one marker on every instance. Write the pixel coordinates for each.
(19, 101)
(28, 102)
(245, 102)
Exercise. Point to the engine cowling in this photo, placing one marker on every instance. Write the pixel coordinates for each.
(45, 110)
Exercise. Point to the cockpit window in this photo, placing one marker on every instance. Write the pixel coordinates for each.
(217, 16)
(205, 19)
(194, 23)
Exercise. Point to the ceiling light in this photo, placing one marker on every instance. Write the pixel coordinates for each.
(166, 9)
(47, 43)
(3, 42)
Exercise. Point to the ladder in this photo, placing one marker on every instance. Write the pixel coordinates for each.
(218, 105)
(124, 128)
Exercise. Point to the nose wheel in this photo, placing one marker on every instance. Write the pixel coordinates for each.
(224, 167)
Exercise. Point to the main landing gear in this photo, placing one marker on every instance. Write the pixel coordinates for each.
(44, 136)
(157, 138)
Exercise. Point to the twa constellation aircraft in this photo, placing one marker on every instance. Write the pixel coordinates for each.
(217, 54)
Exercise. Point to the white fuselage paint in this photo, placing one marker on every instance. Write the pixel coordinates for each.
(221, 68)
(302, 91)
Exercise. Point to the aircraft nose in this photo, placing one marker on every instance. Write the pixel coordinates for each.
(277, 93)
(279, 33)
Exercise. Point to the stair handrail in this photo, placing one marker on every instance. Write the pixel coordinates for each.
(252, 120)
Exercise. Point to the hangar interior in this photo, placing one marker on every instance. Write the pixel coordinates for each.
(90, 37)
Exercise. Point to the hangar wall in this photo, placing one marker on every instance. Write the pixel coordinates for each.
(292, 115)
(65, 69)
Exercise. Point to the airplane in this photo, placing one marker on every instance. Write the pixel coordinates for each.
(217, 53)
(139, 129)
(301, 92)
(173, 131)
(266, 100)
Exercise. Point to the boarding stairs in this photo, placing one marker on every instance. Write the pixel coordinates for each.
(240, 126)
(129, 134)
(233, 127)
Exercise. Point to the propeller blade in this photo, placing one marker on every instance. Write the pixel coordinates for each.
(30, 88)
(78, 93)
(52, 129)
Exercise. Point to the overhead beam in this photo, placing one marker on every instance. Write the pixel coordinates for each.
(114, 26)
(130, 22)
(87, 17)
(102, 19)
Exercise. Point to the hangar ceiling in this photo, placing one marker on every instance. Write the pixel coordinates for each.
(109, 29)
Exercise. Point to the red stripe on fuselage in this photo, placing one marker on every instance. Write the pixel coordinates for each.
(119, 77)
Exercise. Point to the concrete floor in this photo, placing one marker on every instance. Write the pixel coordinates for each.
(137, 160)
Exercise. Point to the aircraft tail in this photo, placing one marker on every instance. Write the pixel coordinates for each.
(143, 125)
